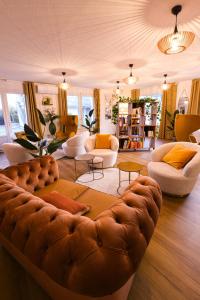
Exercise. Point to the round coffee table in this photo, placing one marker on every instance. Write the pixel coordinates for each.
(128, 167)
(91, 161)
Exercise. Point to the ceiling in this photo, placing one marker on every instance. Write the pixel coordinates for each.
(94, 41)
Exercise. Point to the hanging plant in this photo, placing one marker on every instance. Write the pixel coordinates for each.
(140, 101)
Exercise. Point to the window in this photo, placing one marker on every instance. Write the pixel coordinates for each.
(72, 105)
(2, 123)
(17, 112)
(87, 105)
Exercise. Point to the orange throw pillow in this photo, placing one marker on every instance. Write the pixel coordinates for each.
(103, 141)
(63, 202)
(179, 156)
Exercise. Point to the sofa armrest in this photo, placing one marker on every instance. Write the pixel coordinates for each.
(90, 143)
(76, 252)
(34, 174)
(114, 143)
(192, 169)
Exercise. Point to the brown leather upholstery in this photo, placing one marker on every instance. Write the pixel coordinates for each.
(34, 174)
(93, 258)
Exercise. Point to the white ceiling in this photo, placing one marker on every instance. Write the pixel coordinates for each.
(94, 40)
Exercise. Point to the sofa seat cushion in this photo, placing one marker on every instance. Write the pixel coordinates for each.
(165, 170)
(65, 187)
(103, 152)
(98, 202)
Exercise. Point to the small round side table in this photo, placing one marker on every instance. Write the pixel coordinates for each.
(97, 161)
(88, 158)
(128, 167)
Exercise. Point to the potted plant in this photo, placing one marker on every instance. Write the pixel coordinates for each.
(39, 146)
(171, 120)
(90, 122)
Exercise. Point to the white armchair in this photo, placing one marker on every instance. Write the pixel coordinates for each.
(15, 153)
(179, 182)
(109, 155)
(75, 145)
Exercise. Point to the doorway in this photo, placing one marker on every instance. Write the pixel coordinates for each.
(13, 116)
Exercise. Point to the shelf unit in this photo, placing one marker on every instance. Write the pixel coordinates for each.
(135, 124)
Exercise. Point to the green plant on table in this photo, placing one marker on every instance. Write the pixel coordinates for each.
(39, 145)
(171, 120)
(90, 122)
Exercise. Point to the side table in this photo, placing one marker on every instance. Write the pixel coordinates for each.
(128, 167)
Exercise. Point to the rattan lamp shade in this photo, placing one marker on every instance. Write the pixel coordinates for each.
(176, 42)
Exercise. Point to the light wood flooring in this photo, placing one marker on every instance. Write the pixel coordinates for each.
(170, 269)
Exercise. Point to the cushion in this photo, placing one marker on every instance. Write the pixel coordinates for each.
(179, 156)
(63, 202)
(103, 141)
(64, 187)
(98, 201)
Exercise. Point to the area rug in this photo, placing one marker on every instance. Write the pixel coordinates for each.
(109, 183)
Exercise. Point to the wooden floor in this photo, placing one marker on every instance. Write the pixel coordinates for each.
(170, 269)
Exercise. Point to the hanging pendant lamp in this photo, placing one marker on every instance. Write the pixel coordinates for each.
(177, 41)
(165, 85)
(131, 79)
(117, 91)
(64, 85)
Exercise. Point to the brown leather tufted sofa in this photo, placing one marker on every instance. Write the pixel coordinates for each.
(72, 256)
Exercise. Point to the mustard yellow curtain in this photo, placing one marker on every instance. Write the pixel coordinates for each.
(62, 101)
(96, 95)
(62, 107)
(33, 118)
(169, 104)
(194, 103)
(135, 94)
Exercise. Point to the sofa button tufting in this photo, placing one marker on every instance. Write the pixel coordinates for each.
(99, 243)
(38, 208)
(52, 218)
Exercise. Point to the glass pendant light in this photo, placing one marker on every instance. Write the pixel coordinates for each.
(131, 79)
(178, 41)
(117, 91)
(165, 86)
(64, 85)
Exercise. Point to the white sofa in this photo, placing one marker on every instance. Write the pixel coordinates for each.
(75, 145)
(15, 153)
(109, 155)
(179, 182)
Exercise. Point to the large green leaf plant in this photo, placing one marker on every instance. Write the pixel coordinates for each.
(39, 145)
(171, 121)
(90, 122)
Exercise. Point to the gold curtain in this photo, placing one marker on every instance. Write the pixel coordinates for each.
(135, 94)
(194, 103)
(33, 118)
(96, 95)
(169, 104)
(62, 101)
(62, 107)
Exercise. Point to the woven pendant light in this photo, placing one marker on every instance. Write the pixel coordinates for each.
(176, 42)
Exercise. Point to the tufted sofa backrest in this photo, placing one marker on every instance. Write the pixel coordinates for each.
(33, 174)
(93, 258)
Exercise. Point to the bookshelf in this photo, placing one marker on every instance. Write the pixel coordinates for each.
(135, 123)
